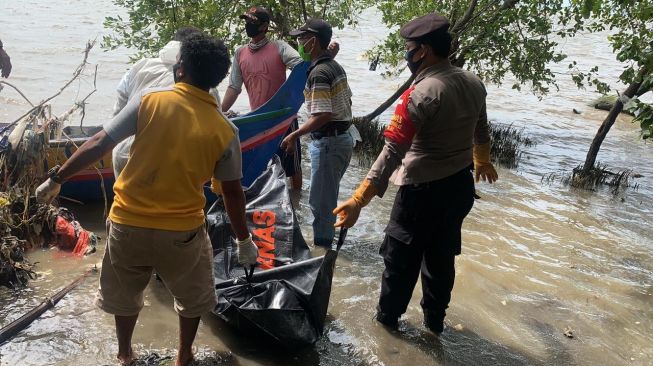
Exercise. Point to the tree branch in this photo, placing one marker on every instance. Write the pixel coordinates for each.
(465, 19)
(618, 106)
(453, 15)
(474, 18)
(642, 91)
(380, 109)
(281, 19)
(508, 4)
(19, 92)
(324, 9)
(459, 27)
(78, 71)
(82, 103)
(459, 60)
(304, 13)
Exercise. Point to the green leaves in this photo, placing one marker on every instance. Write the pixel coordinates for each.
(498, 40)
(631, 35)
(643, 115)
(150, 24)
(632, 42)
(643, 111)
(590, 6)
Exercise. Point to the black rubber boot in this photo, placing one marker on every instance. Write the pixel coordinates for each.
(435, 323)
(387, 320)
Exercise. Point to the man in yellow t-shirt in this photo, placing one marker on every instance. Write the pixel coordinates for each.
(156, 221)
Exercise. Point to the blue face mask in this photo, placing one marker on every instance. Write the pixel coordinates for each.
(413, 66)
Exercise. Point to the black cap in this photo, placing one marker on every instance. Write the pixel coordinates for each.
(316, 26)
(257, 13)
(420, 27)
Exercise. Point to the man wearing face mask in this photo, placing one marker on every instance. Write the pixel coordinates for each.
(438, 134)
(328, 101)
(261, 65)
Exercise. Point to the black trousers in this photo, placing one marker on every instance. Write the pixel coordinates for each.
(423, 236)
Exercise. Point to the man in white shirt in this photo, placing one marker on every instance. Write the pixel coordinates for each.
(148, 73)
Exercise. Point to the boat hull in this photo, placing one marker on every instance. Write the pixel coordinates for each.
(260, 133)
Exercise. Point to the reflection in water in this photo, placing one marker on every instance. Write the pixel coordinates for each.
(536, 258)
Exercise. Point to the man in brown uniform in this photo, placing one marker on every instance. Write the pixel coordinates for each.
(439, 128)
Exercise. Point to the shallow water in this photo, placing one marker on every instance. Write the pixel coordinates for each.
(536, 258)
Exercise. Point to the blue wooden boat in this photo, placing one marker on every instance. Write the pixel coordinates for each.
(260, 133)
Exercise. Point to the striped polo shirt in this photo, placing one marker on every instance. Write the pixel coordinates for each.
(327, 89)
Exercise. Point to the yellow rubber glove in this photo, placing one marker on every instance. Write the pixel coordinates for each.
(216, 186)
(349, 210)
(483, 169)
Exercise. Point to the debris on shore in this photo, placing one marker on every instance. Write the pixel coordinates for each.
(24, 223)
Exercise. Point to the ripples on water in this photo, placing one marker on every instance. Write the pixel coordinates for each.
(536, 258)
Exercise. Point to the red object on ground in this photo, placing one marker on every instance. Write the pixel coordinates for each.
(70, 237)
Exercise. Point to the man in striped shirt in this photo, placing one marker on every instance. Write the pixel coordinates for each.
(328, 101)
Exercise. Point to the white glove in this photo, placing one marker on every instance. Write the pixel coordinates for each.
(231, 114)
(247, 251)
(47, 191)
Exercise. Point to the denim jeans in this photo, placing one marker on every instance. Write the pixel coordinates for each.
(330, 158)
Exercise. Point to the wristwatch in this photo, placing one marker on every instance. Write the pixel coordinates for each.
(52, 174)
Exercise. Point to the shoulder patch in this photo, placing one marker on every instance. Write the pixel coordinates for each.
(401, 128)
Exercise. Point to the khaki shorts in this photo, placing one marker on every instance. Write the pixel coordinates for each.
(183, 260)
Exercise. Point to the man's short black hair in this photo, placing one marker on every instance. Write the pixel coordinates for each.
(182, 33)
(439, 41)
(205, 59)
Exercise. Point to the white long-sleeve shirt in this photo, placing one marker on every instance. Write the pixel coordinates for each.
(146, 73)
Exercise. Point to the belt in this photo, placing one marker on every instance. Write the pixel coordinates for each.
(329, 132)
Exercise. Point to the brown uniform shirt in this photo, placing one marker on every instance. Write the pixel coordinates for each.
(436, 124)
